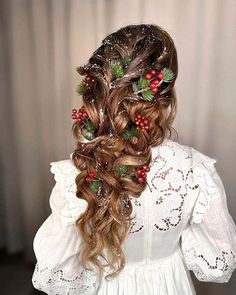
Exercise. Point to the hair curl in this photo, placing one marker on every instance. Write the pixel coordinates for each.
(111, 106)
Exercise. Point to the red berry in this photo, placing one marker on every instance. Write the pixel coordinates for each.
(148, 76)
(145, 122)
(74, 111)
(140, 179)
(154, 90)
(137, 122)
(138, 116)
(141, 124)
(88, 179)
(152, 85)
(84, 114)
(160, 76)
(79, 119)
(80, 113)
(74, 116)
(153, 72)
(146, 168)
(143, 173)
(156, 82)
(146, 127)
(91, 174)
(139, 171)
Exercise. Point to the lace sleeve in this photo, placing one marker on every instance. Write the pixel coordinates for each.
(209, 239)
(57, 242)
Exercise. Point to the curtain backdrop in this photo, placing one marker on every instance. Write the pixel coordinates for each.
(42, 43)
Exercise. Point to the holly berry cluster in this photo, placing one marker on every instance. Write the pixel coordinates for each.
(79, 115)
(141, 122)
(142, 173)
(156, 80)
(90, 176)
(149, 84)
(85, 123)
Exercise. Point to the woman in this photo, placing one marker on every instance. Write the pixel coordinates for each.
(133, 210)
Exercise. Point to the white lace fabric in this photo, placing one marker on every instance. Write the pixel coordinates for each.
(209, 242)
(184, 207)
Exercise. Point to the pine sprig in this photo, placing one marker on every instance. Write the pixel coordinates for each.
(81, 89)
(129, 133)
(168, 75)
(88, 130)
(116, 69)
(94, 186)
(88, 125)
(121, 169)
(142, 86)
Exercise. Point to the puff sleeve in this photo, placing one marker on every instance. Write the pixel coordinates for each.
(57, 243)
(208, 241)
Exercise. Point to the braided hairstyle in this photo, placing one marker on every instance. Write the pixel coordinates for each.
(111, 106)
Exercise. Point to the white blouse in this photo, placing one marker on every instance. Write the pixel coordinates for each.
(182, 223)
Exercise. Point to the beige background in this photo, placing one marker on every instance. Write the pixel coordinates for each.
(42, 43)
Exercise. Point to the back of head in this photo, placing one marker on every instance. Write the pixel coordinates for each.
(129, 104)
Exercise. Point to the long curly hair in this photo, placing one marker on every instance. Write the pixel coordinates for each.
(111, 105)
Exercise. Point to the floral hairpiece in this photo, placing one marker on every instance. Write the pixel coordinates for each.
(82, 117)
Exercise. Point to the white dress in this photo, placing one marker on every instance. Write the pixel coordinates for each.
(182, 223)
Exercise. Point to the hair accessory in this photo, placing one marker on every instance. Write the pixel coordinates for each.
(149, 84)
(117, 68)
(141, 122)
(94, 184)
(86, 84)
(142, 173)
(130, 132)
(90, 176)
(83, 120)
(139, 174)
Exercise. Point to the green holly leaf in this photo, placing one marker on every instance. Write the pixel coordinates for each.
(94, 186)
(81, 89)
(148, 95)
(122, 169)
(116, 69)
(168, 75)
(129, 133)
(127, 61)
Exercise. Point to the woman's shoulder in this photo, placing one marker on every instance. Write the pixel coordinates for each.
(63, 168)
(180, 152)
(65, 173)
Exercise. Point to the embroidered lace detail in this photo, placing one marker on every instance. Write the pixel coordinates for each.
(137, 224)
(65, 173)
(202, 165)
(217, 268)
(56, 282)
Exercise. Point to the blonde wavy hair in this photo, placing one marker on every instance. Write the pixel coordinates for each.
(111, 106)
